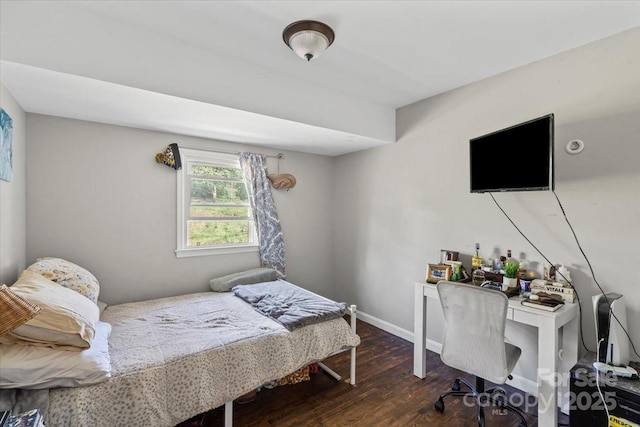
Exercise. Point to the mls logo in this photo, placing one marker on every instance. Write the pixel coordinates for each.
(499, 411)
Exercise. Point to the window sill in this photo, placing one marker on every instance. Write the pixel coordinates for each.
(223, 250)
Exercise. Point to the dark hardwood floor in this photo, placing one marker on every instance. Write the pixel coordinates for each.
(386, 394)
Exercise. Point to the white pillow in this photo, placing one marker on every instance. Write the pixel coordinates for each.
(26, 366)
(66, 319)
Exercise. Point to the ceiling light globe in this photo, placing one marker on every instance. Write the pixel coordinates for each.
(308, 44)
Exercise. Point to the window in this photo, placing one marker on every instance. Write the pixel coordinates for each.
(214, 215)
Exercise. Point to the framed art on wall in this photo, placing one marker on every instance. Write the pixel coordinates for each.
(6, 152)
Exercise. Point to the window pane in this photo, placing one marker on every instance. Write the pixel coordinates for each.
(211, 191)
(213, 206)
(217, 232)
(218, 211)
(216, 171)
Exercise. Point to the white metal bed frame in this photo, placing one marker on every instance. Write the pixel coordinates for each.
(228, 406)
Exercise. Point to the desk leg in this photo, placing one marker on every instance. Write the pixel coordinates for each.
(570, 344)
(419, 333)
(547, 378)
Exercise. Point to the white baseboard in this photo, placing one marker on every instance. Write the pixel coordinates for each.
(385, 326)
(396, 330)
(434, 346)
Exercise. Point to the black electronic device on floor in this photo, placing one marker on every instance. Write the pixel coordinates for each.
(621, 395)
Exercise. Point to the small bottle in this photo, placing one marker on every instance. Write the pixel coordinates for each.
(522, 269)
(476, 261)
(563, 275)
(478, 277)
(510, 259)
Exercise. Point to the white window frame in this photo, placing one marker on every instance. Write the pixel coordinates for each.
(184, 198)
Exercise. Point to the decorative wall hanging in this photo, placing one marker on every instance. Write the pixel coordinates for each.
(6, 150)
(170, 157)
(282, 180)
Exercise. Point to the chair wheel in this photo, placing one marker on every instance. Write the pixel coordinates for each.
(439, 405)
(456, 385)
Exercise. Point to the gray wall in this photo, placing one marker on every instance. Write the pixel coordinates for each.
(12, 198)
(97, 197)
(397, 206)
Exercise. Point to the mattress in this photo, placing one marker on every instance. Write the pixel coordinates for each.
(173, 358)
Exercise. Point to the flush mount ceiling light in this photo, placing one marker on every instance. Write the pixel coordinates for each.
(308, 39)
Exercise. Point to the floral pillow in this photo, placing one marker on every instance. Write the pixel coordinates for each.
(69, 275)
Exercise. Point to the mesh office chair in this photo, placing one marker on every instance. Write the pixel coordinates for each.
(475, 320)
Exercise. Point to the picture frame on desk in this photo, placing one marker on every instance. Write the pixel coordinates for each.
(437, 272)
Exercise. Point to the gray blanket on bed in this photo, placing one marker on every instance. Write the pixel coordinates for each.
(289, 304)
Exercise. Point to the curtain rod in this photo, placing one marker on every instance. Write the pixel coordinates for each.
(274, 156)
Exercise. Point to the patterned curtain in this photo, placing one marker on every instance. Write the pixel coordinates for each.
(270, 240)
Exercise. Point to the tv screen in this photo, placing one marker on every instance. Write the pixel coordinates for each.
(518, 158)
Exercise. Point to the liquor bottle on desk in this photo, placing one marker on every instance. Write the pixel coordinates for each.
(523, 272)
(476, 261)
(477, 273)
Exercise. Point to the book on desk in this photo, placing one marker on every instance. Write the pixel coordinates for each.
(544, 302)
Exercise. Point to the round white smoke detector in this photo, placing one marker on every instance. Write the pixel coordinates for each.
(574, 146)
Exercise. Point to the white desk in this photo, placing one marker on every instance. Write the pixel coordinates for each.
(551, 326)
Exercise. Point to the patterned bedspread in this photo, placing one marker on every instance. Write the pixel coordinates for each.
(173, 358)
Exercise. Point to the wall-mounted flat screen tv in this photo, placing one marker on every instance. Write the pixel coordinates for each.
(518, 158)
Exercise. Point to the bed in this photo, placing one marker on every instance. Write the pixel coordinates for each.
(173, 358)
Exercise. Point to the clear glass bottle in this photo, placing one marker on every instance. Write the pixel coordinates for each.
(510, 259)
(522, 270)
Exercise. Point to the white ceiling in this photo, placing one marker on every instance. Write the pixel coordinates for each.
(220, 70)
